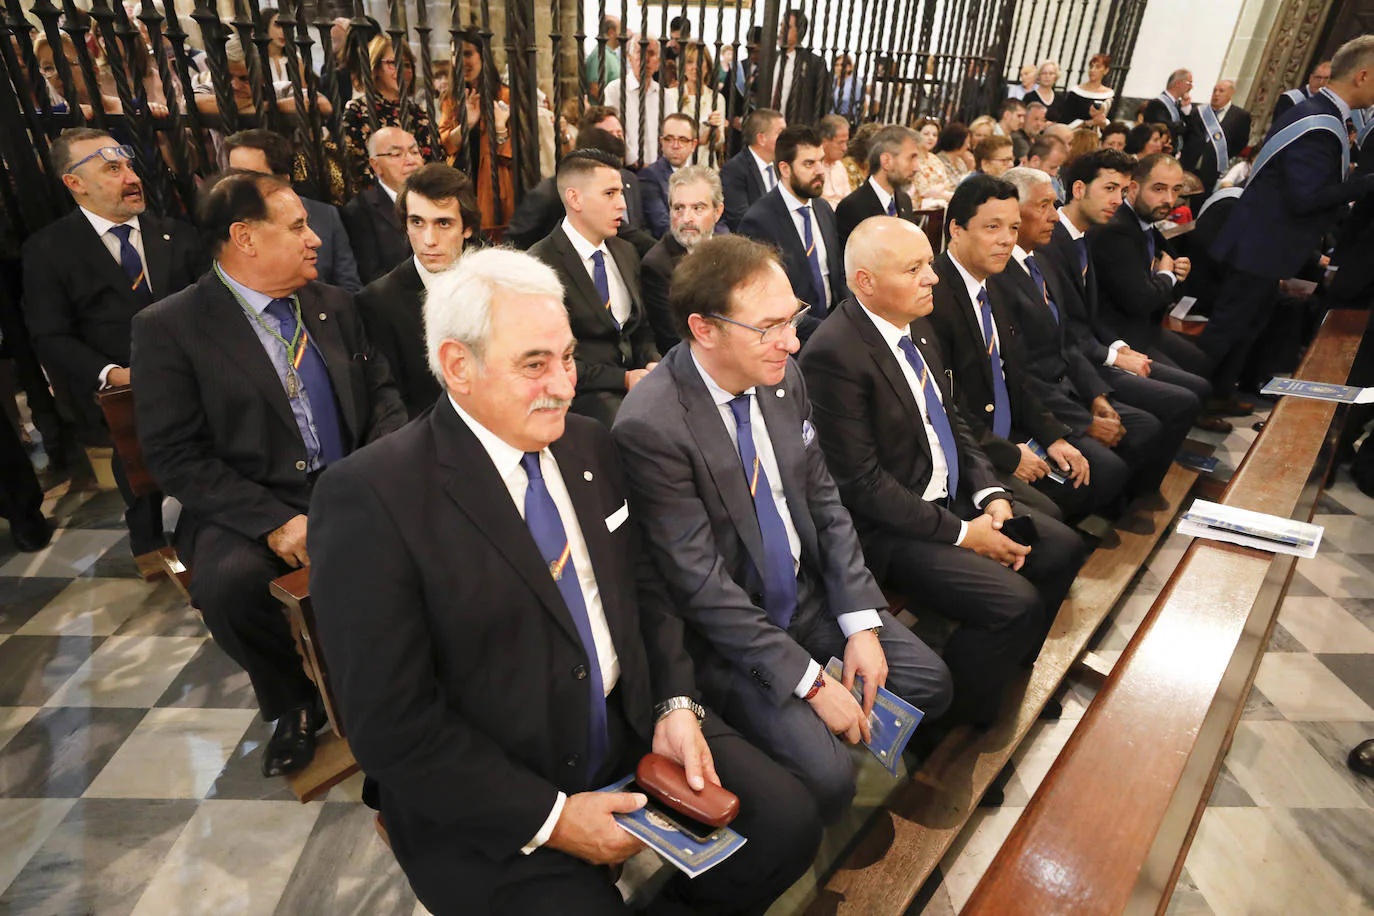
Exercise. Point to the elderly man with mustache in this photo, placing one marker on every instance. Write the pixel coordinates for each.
(696, 203)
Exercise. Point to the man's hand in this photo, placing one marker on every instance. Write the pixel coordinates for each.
(587, 830)
(863, 656)
(983, 539)
(1106, 430)
(840, 712)
(1164, 263)
(288, 542)
(1133, 361)
(117, 377)
(999, 510)
(1032, 466)
(1182, 267)
(1101, 407)
(1070, 461)
(632, 377)
(678, 737)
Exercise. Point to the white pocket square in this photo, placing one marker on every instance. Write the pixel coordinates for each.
(808, 433)
(617, 518)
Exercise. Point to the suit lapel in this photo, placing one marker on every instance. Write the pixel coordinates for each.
(157, 247)
(887, 363)
(230, 328)
(622, 254)
(324, 329)
(785, 435)
(583, 287)
(790, 242)
(966, 308)
(383, 205)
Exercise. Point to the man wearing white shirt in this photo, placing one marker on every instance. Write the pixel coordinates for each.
(750, 173)
(374, 230)
(748, 530)
(801, 85)
(891, 167)
(638, 90)
(501, 691)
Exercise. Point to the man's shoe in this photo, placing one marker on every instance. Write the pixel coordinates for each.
(292, 746)
(1213, 424)
(1361, 758)
(31, 534)
(1229, 407)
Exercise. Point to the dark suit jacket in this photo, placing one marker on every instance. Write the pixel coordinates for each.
(653, 188)
(604, 353)
(1156, 112)
(769, 221)
(375, 231)
(335, 264)
(541, 210)
(1291, 202)
(810, 87)
(742, 184)
(656, 278)
(862, 204)
(1132, 297)
(689, 488)
(874, 438)
(1352, 283)
(392, 309)
(961, 338)
(1199, 157)
(469, 755)
(1078, 293)
(1284, 103)
(214, 420)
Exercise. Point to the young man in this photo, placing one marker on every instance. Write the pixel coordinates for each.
(1011, 118)
(695, 207)
(678, 141)
(891, 167)
(750, 173)
(374, 230)
(801, 82)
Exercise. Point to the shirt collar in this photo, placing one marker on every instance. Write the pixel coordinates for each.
(972, 285)
(1074, 232)
(1340, 102)
(719, 395)
(758, 160)
(101, 225)
(891, 333)
(1020, 254)
(503, 455)
(427, 276)
(790, 199)
(1144, 226)
(386, 190)
(884, 198)
(257, 301)
(1222, 112)
(580, 244)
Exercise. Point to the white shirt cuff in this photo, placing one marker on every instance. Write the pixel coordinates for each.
(546, 831)
(963, 530)
(105, 376)
(982, 495)
(857, 621)
(1170, 274)
(1112, 350)
(804, 687)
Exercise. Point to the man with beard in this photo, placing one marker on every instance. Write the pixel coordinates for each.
(891, 167)
(695, 205)
(799, 223)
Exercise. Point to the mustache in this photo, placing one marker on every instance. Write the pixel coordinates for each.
(550, 404)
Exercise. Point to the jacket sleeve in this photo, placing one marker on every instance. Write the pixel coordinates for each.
(655, 285)
(1312, 176)
(362, 241)
(734, 182)
(386, 410)
(1121, 281)
(655, 206)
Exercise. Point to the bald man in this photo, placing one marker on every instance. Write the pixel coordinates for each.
(1216, 133)
(375, 232)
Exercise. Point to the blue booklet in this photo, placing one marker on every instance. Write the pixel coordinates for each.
(891, 723)
(685, 853)
(1321, 391)
(1203, 464)
(1045, 457)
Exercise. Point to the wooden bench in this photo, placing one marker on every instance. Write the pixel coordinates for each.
(1109, 829)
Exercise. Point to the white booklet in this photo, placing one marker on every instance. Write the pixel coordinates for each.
(1251, 529)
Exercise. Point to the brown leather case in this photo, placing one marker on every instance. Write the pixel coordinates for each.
(667, 782)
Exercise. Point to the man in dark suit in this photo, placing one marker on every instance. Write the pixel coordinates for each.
(925, 500)
(600, 276)
(440, 211)
(85, 277)
(678, 140)
(496, 695)
(21, 497)
(1216, 133)
(1172, 107)
(251, 382)
(374, 229)
(695, 200)
(1319, 77)
(748, 530)
(750, 173)
(1297, 188)
(891, 166)
(259, 150)
(801, 84)
(795, 219)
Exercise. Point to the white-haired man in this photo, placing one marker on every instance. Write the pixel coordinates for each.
(374, 226)
(548, 666)
(696, 203)
(1217, 132)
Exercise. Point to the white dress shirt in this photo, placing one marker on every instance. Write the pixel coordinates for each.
(836, 187)
(766, 172)
(850, 623)
(620, 293)
(386, 188)
(656, 99)
(1341, 103)
(974, 287)
(427, 276)
(884, 198)
(1075, 233)
(793, 203)
(788, 76)
(102, 227)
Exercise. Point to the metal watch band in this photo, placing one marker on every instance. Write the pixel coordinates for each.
(676, 703)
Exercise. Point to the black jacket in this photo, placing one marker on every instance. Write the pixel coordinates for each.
(1132, 296)
(862, 204)
(1199, 157)
(743, 186)
(392, 309)
(541, 210)
(374, 230)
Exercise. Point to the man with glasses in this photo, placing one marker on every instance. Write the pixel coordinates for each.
(747, 529)
(696, 205)
(374, 227)
(678, 139)
(86, 275)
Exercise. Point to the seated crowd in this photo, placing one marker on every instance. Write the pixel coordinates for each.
(663, 465)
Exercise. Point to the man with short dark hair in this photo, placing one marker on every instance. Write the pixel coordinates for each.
(801, 82)
(1011, 118)
(678, 141)
(1047, 154)
(891, 168)
(750, 173)
(252, 381)
(624, 96)
(794, 218)
(695, 207)
(374, 230)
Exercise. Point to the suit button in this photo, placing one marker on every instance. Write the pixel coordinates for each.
(571, 760)
(756, 599)
(580, 672)
(300, 465)
(987, 408)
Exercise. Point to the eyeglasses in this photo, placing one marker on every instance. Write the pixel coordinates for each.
(770, 334)
(413, 152)
(677, 141)
(106, 153)
(389, 63)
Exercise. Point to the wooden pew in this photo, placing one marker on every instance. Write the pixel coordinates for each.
(117, 404)
(932, 223)
(1109, 828)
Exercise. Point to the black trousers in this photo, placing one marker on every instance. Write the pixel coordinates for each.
(1240, 314)
(142, 514)
(20, 495)
(1179, 352)
(1171, 396)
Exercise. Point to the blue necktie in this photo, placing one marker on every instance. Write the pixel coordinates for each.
(309, 367)
(1039, 279)
(779, 578)
(603, 286)
(131, 262)
(892, 206)
(1001, 404)
(1081, 244)
(1150, 241)
(813, 258)
(541, 515)
(935, 412)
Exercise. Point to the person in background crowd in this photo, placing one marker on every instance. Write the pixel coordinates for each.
(1085, 141)
(1146, 139)
(952, 149)
(1172, 107)
(1090, 102)
(699, 100)
(802, 83)
(980, 128)
(678, 141)
(834, 131)
(1115, 136)
(375, 232)
(468, 139)
(931, 180)
(1027, 83)
(1011, 117)
(856, 160)
(1045, 79)
(1047, 155)
(696, 204)
(993, 156)
(276, 44)
(1319, 77)
(848, 100)
(603, 62)
(388, 74)
(750, 173)
(1217, 132)
(639, 98)
(1035, 120)
(892, 163)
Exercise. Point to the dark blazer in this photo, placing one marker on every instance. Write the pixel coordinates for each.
(374, 228)
(1199, 157)
(1291, 202)
(1078, 293)
(769, 221)
(810, 87)
(653, 189)
(469, 755)
(1156, 112)
(1352, 282)
(656, 277)
(1132, 297)
(862, 204)
(743, 186)
(541, 210)
(873, 436)
(1284, 103)
(335, 262)
(961, 338)
(604, 352)
(392, 309)
(690, 491)
(213, 418)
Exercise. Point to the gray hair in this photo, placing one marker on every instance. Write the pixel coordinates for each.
(1026, 180)
(694, 173)
(233, 50)
(829, 126)
(1177, 76)
(888, 140)
(1355, 54)
(458, 304)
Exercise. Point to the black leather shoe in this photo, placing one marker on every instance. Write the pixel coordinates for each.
(1053, 711)
(1361, 758)
(1213, 424)
(292, 746)
(31, 534)
(1229, 407)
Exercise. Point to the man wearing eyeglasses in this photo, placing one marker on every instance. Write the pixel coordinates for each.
(678, 139)
(86, 275)
(374, 227)
(746, 526)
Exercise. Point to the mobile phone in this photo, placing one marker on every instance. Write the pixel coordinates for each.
(1021, 529)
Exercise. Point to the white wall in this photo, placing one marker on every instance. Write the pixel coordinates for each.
(1195, 34)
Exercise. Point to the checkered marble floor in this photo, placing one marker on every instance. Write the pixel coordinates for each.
(130, 751)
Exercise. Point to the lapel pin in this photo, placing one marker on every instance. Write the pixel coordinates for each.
(322, 316)
(923, 340)
(586, 475)
(779, 392)
(166, 237)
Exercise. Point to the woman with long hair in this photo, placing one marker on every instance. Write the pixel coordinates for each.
(388, 74)
(932, 181)
(467, 137)
(699, 101)
(954, 153)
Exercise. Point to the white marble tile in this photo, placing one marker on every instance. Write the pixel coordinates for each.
(1338, 575)
(234, 857)
(71, 553)
(971, 854)
(350, 790)
(13, 718)
(1347, 533)
(1347, 494)
(1305, 690)
(173, 753)
(1278, 768)
(25, 824)
(89, 607)
(1038, 751)
(128, 671)
(1322, 625)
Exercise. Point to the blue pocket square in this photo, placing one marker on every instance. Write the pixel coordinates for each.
(808, 433)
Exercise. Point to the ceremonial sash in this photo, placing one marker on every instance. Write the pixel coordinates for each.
(1296, 95)
(1170, 104)
(1215, 135)
(1221, 194)
(1363, 119)
(1298, 128)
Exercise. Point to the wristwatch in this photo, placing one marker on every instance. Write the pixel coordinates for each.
(675, 703)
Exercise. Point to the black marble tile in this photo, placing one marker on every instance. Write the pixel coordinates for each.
(60, 751)
(210, 680)
(346, 870)
(32, 668)
(1333, 740)
(1343, 837)
(1327, 505)
(104, 509)
(1355, 671)
(1257, 706)
(164, 612)
(1302, 587)
(1227, 793)
(241, 778)
(24, 597)
(117, 562)
(1361, 608)
(1280, 640)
